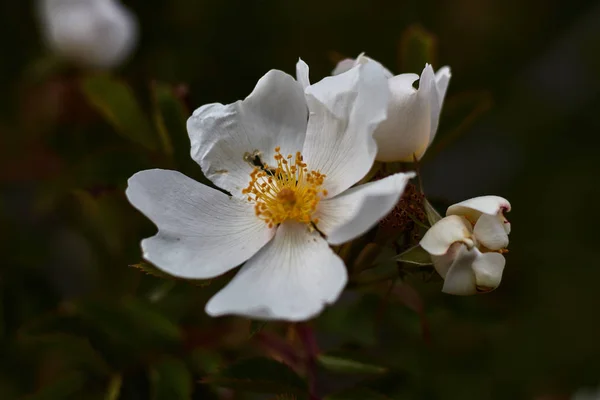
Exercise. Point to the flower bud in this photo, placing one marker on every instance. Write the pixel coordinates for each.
(93, 33)
(413, 114)
(466, 246)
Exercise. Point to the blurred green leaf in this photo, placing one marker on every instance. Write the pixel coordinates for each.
(379, 273)
(384, 268)
(347, 365)
(205, 360)
(170, 379)
(432, 215)
(72, 350)
(357, 312)
(415, 255)
(366, 258)
(411, 298)
(170, 118)
(357, 393)
(2, 323)
(259, 375)
(62, 388)
(417, 47)
(103, 217)
(116, 102)
(460, 112)
(113, 391)
(130, 322)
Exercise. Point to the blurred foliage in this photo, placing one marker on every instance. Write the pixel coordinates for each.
(77, 322)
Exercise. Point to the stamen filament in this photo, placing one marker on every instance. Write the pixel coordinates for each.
(287, 192)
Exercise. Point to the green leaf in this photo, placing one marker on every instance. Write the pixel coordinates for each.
(432, 215)
(347, 365)
(170, 118)
(171, 379)
(357, 393)
(62, 388)
(415, 255)
(115, 101)
(260, 375)
(417, 47)
(154, 271)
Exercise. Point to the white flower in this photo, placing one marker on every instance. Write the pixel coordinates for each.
(413, 114)
(467, 245)
(95, 33)
(586, 394)
(288, 157)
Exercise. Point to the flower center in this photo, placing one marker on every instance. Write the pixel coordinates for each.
(287, 191)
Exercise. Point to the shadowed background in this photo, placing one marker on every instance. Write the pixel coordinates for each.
(520, 121)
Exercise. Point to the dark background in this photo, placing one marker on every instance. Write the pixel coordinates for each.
(520, 121)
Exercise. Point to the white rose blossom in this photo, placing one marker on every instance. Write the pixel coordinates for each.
(466, 246)
(288, 157)
(413, 114)
(94, 33)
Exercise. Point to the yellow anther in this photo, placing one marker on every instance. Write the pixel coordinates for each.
(288, 191)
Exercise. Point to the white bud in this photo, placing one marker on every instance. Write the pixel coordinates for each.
(93, 33)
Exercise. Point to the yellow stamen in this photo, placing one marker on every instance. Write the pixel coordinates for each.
(288, 191)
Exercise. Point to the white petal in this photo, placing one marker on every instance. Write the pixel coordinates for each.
(93, 33)
(473, 272)
(438, 239)
(202, 232)
(343, 66)
(489, 231)
(488, 268)
(443, 263)
(362, 59)
(349, 63)
(292, 278)
(302, 74)
(406, 132)
(442, 79)
(223, 136)
(460, 279)
(344, 111)
(473, 208)
(355, 211)
(491, 205)
(505, 223)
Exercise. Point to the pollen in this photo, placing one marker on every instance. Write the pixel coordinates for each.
(286, 191)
